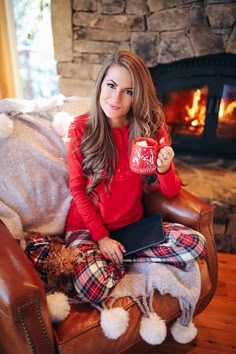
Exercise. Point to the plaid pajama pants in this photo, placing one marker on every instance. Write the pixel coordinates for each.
(93, 279)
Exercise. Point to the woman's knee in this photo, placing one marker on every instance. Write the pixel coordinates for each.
(94, 280)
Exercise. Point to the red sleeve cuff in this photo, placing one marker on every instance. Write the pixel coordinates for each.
(170, 182)
(100, 233)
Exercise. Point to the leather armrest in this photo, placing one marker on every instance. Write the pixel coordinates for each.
(25, 322)
(185, 208)
(191, 211)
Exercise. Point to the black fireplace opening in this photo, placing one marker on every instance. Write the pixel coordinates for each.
(199, 100)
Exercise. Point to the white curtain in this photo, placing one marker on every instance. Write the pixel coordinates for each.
(9, 70)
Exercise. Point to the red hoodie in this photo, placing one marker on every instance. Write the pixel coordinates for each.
(119, 206)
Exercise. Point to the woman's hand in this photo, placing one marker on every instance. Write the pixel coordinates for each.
(164, 158)
(111, 249)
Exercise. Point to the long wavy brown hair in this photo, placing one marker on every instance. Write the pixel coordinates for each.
(146, 116)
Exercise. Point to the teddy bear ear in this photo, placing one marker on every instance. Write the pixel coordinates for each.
(6, 126)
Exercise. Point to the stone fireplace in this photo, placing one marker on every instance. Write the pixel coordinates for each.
(85, 32)
(168, 35)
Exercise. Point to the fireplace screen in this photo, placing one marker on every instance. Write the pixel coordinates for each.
(199, 99)
(226, 128)
(185, 111)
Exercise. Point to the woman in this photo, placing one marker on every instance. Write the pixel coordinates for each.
(106, 193)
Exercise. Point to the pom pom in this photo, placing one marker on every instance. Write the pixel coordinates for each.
(114, 322)
(59, 307)
(61, 123)
(153, 329)
(183, 334)
(6, 126)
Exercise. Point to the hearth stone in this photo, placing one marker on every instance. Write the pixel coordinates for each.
(214, 181)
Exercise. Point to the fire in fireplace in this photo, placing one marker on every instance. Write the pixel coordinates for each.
(199, 99)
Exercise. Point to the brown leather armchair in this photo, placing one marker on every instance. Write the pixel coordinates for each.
(25, 325)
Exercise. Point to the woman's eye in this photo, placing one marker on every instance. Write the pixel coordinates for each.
(111, 85)
(129, 92)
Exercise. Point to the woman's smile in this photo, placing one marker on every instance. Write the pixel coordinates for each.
(113, 107)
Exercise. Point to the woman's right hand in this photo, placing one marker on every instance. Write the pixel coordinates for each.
(111, 249)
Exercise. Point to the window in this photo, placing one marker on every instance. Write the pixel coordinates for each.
(35, 48)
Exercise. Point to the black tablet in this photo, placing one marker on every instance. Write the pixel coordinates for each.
(140, 235)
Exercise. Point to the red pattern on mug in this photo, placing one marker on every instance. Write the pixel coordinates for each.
(143, 155)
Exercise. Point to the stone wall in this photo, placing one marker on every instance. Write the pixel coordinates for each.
(85, 32)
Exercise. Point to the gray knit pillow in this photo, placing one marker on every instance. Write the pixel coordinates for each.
(34, 193)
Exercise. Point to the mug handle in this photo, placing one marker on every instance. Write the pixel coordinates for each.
(160, 146)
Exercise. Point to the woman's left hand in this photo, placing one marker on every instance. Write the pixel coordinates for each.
(164, 158)
(111, 249)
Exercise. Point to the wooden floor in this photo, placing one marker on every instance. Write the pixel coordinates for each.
(217, 324)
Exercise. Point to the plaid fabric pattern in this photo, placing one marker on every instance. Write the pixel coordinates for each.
(183, 245)
(93, 279)
(37, 249)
